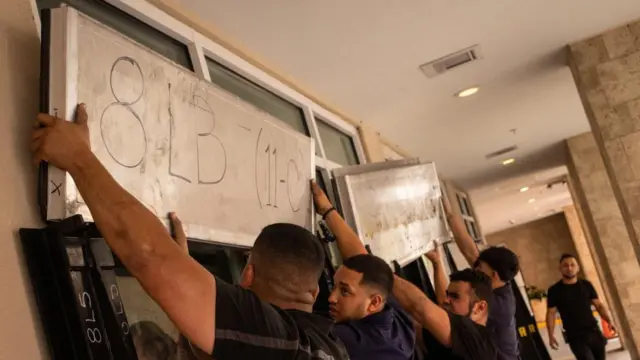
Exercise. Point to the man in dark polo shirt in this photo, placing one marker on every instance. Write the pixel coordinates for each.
(269, 317)
(573, 298)
(455, 331)
(501, 266)
(370, 322)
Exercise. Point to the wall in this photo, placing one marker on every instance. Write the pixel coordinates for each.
(19, 66)
(609, 238)
(605, 68)
(539, 245)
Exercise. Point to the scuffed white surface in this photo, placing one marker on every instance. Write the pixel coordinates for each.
(193, 148)
(398, 211)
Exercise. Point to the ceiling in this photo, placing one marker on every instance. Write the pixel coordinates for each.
(505, 204)
(363, 57)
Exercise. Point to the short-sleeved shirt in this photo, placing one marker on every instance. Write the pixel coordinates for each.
(573, 301)
(248, 328)
(469, 341)
(387, 335)
(502, 322)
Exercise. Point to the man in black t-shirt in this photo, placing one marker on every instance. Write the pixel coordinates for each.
(261, 323)
(573, 298)
(269, 317)
(456, 331)
(501, 265)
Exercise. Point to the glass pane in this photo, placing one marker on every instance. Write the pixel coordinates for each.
(476, 233)
(471, 228)
(338, 146)
(129, 26)
(153, 333)
(258, 96)
(320, 180)
(464, 206)
(467, 207)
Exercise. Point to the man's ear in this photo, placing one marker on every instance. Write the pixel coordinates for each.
(315, 293)
(377, 303)
(248, 274)
(495, 276)
(481, 307)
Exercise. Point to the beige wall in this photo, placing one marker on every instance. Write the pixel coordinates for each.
(538, 245)
(609, 237)
(605, 68)
(19, 56)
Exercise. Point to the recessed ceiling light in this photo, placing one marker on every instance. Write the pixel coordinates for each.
(508, 161)
(532, 200)
(524, 189)
(468, 92)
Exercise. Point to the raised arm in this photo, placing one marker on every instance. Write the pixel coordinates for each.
(429, 315)
(439, 275)
(465, 242)
(182, 288)
(348, 241)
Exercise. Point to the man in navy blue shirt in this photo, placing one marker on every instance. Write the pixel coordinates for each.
(370, 323)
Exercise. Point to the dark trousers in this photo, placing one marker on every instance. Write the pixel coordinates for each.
(588, 346)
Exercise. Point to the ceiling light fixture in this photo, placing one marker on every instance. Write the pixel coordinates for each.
(524, 189)
(508, 161)
(468, 92)
(532, 200)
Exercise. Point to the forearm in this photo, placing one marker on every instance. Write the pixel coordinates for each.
(182, 288)
(465, 242)
(130, 229)
(347, 240)
(429, 315)
(551, 323)
(604, 313)
(440, 282)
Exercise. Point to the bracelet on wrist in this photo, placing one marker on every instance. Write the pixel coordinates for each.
(326, 213)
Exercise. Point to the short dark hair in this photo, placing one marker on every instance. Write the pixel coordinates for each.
(375, 272)
(479, 281)
(288, 253)
(567, 256)
(504, 261)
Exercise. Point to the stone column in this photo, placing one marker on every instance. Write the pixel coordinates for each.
(606, 69)
(586, 253)
(612, 244)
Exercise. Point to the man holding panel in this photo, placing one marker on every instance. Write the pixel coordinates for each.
(456, 331)
(269, 317)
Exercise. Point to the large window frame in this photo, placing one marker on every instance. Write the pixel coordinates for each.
(200, 47)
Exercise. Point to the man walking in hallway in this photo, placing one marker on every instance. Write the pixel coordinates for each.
(573, 298)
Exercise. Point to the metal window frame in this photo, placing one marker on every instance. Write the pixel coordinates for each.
(201, 47)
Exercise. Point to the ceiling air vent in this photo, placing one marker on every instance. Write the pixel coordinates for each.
(501, 152)
(451, 61)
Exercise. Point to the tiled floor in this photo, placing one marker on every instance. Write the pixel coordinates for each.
(564, 353)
